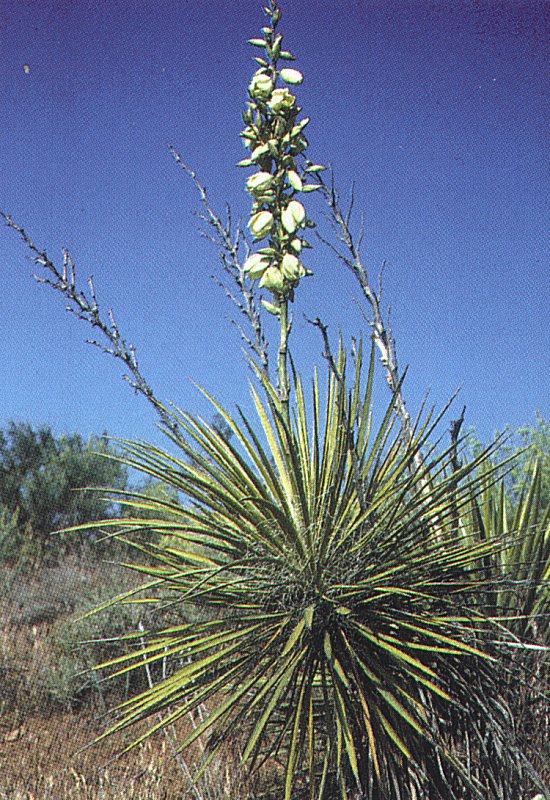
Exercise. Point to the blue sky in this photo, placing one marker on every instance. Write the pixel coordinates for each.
(434, 108)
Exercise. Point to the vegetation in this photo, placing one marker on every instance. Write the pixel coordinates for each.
(52, 704)
(43, 479)
(365, 605)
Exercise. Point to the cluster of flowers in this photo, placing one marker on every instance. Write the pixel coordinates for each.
(276, 140)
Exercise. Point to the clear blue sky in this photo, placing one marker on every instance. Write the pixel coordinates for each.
(434, 108)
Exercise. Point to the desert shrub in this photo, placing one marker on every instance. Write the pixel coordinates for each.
(348, 633)
(48, 649)
(42, 483)
(11, 535)
(82, 640)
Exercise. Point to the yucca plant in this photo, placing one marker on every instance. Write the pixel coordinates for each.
(342, 632)
(343, 640)
(342, 586)
(517, 592)
(521, 571)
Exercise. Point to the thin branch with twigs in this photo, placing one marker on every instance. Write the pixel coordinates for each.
(229, 246)
(84, 303)
(85, 306)
(350, 254)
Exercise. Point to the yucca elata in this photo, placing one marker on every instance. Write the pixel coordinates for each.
(516, 590)
(343, 631)
(343, 635)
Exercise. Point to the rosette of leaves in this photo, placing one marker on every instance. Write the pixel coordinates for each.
(277, 143)
(341, 638)
(516, 589)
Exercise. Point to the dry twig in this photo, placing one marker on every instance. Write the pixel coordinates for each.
(350, 254)
(86, 307)
(229, 246)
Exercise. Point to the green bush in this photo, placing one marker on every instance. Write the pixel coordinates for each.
(42, 489)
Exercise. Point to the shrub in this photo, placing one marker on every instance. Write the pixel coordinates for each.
(42, 483)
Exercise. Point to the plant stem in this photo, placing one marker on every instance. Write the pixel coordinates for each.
(282, 369)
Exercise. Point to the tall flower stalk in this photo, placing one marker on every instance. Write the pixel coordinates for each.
(278, 218)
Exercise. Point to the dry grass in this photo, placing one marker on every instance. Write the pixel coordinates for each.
(40, 760)
(45, 720)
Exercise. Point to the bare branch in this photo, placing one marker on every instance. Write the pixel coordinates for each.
(86, 307)
(456, 425)
(327, 353)
(229, 245)
(382, 332)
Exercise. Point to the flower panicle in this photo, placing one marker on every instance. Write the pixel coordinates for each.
(277, 144)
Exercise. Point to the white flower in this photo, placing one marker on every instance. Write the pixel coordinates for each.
(291, 268)
(272, 279)
(261, 224)
(280, 99)
(256, 265)
(259, 151)
(293, 216)
(259, 182)
(294, 180)
(261, 85)
(292, 76)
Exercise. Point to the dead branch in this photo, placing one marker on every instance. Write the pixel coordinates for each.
(349, 253)
(86, 307)
(229, 246)
(455, 427)
(351, 445)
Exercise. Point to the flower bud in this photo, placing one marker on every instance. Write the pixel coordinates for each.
(300, 126)
(259, 182)
(281, 99)
(315, 168)
(249, 133)
(291, 268)
(296, 245)
(256, 265)
(294, 180)
(311, 187)
(292, 76)
(261, 224)
(273, 147)
(272, 279)
(259, 151)
(275, 310)
(293, 216)
(276, 48)
(261, 85)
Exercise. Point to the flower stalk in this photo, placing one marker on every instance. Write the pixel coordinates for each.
(282, 364)
(278, 219)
